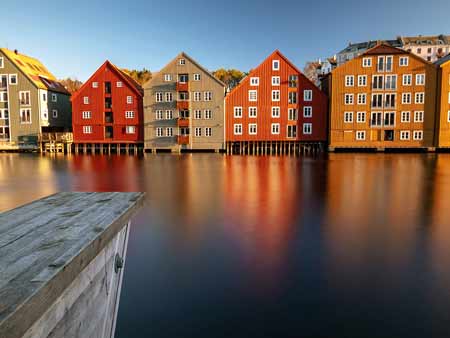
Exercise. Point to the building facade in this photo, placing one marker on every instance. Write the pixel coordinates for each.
(384, 98)
(108, 109)
(32, 101)
(184, 108)
(276, 103)
(443, 103)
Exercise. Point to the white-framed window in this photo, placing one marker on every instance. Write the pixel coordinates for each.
(24, 98)
(168, 95)
(252, 112)
(54, 97)
(348, 117)
(253, 95)
(389, 119)
(130, 130)
(377, 100)
(307, 128)
(13, 79)
(292, 98)
(405, 116)
(129, 114)
(197, 96)
(130, 98)
(2, 62)
(389, 63)
(276, 65)
(418, 135)
(418, 116)
(254, 81)
(390, 100)
(198, 132)
(407, 79)
(252, 129)
(367, 62)
(307, 111)
(197, 114)
(159, 114)
(159, 132)
(208, 131)
(237, 112)
(207, 96)
(360, 135)
(362, 98)
(291, 131)
(168, 77)
(378, 82)
(420, 79)
(349, 80)
(376, 119)
(4, 114)
(237, 129)
(420, 98)
(406, 98)
(44, 97)
(380, 64)
(275, 95)
(208, 114)
(197, 77)
(25, 115)
(159, 97)
(362, 80)
(390, 82)
(292, 114)
(275, 129)
(275, 112)
(275, 80)
(449, 97)
(404, 135)
(361, 117)
(169, 131)
(3, 96)
(307, 95)
(119, 84)
(86, 115)
(448, 116)
(94, 84)
(55, 113)
(348, 99)
(403, 61)
(87, 129)
(182, 62)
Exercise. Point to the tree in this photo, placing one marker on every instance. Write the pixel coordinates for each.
(140, 76)
(72, 85)
(231, 77)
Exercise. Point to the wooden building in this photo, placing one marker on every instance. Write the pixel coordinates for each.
(275, 109)
(183, 106)
(443, 103)
(382, 99)
(107, 112)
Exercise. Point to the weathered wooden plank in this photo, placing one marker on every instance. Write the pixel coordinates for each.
(47, 244)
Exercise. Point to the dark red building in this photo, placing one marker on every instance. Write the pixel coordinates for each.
(108, 109)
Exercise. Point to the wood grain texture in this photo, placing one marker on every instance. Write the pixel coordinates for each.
(45, 245)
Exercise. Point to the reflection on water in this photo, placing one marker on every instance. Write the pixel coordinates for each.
(354, 245)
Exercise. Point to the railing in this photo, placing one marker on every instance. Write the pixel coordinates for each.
(183, 121)
(182, 86)
(183, 139)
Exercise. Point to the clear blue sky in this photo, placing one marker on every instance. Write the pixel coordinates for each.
(73, 38)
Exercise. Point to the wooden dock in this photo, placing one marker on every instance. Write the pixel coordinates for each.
(61, 265)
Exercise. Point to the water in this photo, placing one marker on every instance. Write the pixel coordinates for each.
(348, 245)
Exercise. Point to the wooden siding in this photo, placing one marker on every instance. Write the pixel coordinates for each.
(444, 105)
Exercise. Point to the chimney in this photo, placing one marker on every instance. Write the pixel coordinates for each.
(16, 51)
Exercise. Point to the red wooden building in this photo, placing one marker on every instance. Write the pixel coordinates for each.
(275, 109)
(108, 110)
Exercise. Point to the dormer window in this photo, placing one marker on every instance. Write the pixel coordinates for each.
(182, 62)
(254, 81)
(276, 65)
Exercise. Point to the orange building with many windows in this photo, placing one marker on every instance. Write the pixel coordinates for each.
(443, 111)
(384, 98)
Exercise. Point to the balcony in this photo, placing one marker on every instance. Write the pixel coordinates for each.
(183, 105)
(183, 139)
(182, 86)
(183, 122)
(109, 117)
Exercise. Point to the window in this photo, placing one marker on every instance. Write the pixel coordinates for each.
(291, 131)
(86, 115)
(129, 114)
(361, 117)
(183, 78)
(94, 84)
(275, 65)
(169, 114)
(182, 62)
(252, 111)
(418, 135)
(391, 82)
(360, 135)
(3, 96)
(448, 116)
(55, 113)
(403, 61)
(254, 81)
(2, 64)
(367, 62)
(292, 97)
(349, 81)
(348, 117)
(406, 98)
(348, 99)
(389, 62)
(25, 115)
(238, 129)
(237, 112)
(376, 119)
(159, 115)
(87, 129)
(197, 114)
(4, 114)
(169, 131)
(362, 80)
(362, 99)
(377, 100)
(275, 112)
(292, 114)
(420, 98)
(429, 50)
(377, 82)
(307, 95)
(404, 135)
(275, 95)
(208, 131)
(252, 129)
(307, 128)
(159, 132)
(44, 114)
(54, 97)
(208, 96)
(130, 98)
(389, 119)
(293, 80)
(275, 80)
(307, 111)
(420, 79)
(406, 116)
(208, 114)
(130, 130)
(159, 97)
(198, 132)
(86, 100)
(24, 98)
(380, 64)
(275, 129)
(197, 96)
(167, 77)
(407, 79)
(419, 50)
(119, 84)
(252, 95)
(197, 77)
(13, 79)
(390, 100)
(418, 116)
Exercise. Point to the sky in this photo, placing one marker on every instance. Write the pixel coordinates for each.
(73, 38)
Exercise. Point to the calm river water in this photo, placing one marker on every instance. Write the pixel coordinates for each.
(346, 245)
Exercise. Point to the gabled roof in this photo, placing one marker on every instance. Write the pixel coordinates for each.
(124, 76)
(35, 71)
(355, 47)
(443, 60)
(427, 40)
(383, 49)
(184, 55)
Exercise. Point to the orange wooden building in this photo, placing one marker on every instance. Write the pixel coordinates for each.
(382, 99)
(443, 110)
(275, 109)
